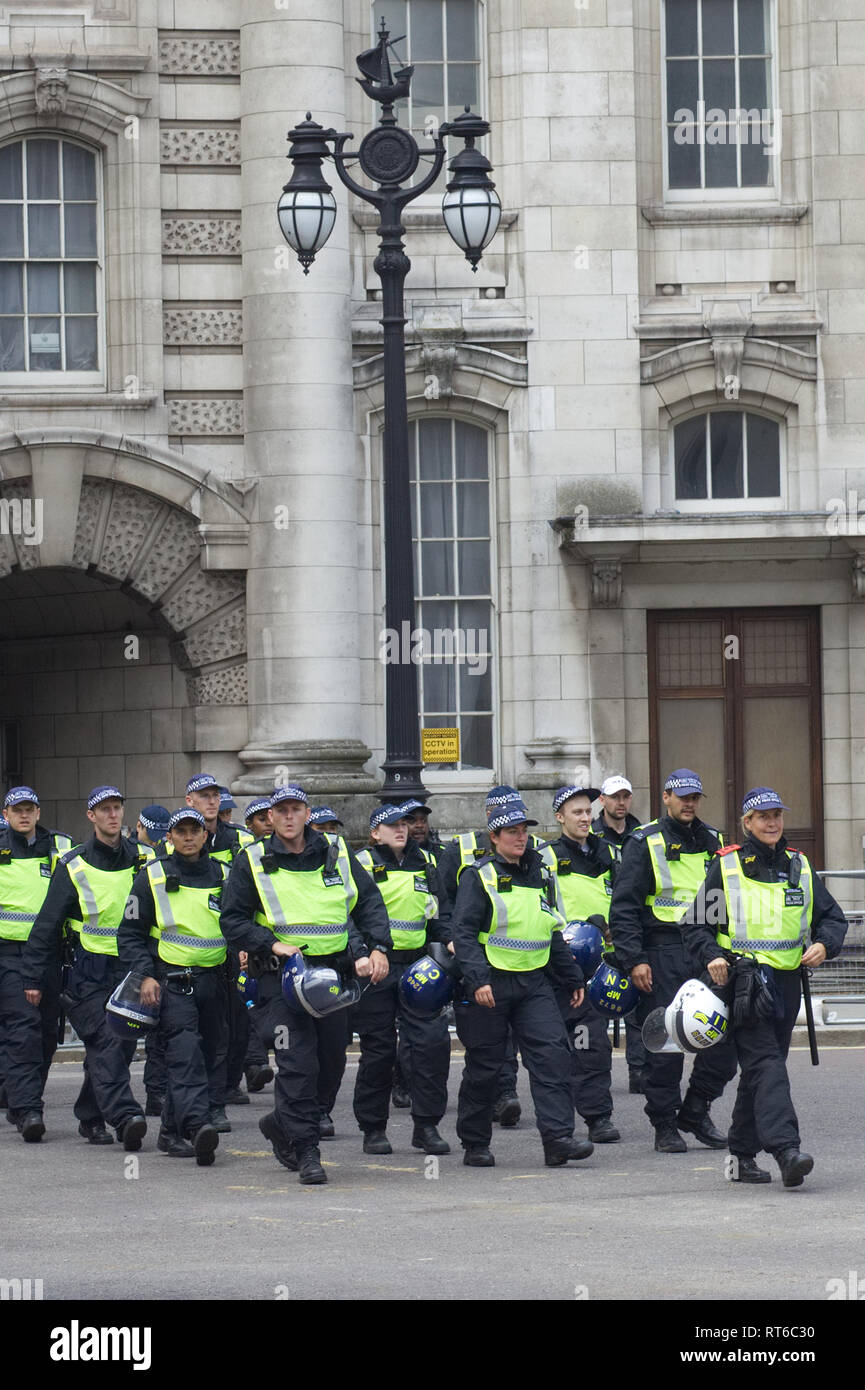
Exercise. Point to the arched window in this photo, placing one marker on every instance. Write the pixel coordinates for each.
(49, 260)
(450, 492)
(725, 455)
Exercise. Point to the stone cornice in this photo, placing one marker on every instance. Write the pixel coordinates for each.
(72, 400)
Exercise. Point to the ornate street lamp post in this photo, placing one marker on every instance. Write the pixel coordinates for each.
(471, 209)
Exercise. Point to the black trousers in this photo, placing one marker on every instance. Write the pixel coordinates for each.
(525, 1001)
(155, 1069)
(763, 1115)
(106, 1093)
(194, 1026)
(591, 1057)
(662, 1072)
(28, 1032)
(507, 1081)
(424, 1053)
(245, 1048)
(635, 1052)
(310, 1060)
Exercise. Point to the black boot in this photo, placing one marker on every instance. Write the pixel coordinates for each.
(173, 1145)
(478, 1156)
(794, 1166)
(219, 1119)
(234, 1096)
(94, 1132)
(257, 1078)
(427, 1137)
(668, 1140)
(155, 1102)
(558, 1152)
(31, 1127)
(744, 1169)
(205, 1141)
(375, 1141)
(400, 1096)
(131, 1133)
(310, 1171)
(694, 1119)
(325, 1127)
(603, 1131)
(283, 1150)
(507, 1111)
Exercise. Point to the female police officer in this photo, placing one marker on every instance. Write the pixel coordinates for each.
(506, 930)
(761, 900)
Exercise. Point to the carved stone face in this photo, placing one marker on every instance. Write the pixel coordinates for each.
(52, 86)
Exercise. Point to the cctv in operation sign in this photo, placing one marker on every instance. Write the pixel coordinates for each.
(440, 745)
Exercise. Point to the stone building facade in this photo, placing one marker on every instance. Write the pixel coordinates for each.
(638, 430)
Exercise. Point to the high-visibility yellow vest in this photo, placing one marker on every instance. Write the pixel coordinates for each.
(227, 855)
(471, 851)
(407, 899)
(677, 881)
(579, 895)
(23, 885)
(307, 908)
(187, 920)
(523, 922)
(102, 895)
(768, 920)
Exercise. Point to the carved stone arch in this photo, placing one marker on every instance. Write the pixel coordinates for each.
(123, 519)
(74, 103)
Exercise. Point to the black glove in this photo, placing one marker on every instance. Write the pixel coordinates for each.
(752, 998)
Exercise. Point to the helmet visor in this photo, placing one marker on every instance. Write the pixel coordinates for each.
(655, 1036)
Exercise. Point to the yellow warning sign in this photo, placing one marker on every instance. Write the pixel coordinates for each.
(440, 745)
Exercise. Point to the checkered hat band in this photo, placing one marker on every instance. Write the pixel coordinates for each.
(103, 794)
(186, 813)
(201, 783)
(517, 815)
(19, 794)
(262, 804)
(290, 793)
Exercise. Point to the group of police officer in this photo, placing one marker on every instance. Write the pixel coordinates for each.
(323, 940)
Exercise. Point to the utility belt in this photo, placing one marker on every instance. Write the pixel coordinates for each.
(181, 979)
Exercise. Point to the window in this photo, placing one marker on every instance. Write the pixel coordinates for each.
(49, 259)
(442, 41)
(722, 125)
(449, 463)
(727, 454)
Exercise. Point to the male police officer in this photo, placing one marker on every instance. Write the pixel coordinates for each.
(405, 875)
(663, 866)
(28, 1036)
(506, 929)
(224, 842)
(176, 902)
(325, 820)
(152, 827)
(89, 890)
(421, 831)
(614, 823)
(584, 866)
(247, 1053)
(300, 891)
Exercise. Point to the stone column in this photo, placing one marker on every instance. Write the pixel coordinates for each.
(302, 621)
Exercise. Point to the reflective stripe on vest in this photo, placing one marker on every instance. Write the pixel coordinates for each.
(579, 895)
(102, 895)
(23, 886)
(194, 939)
(758, 922)
(677, 881)
(522, 926)
(408, 908)
(299, 907)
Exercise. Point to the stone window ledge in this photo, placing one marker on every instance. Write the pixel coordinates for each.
(69, 400)
(719, 214)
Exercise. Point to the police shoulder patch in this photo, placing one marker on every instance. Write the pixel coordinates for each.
(728, 849)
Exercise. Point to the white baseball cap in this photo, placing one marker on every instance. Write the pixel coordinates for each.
(611, 785)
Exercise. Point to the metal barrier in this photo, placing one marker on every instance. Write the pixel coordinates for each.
(846, 973)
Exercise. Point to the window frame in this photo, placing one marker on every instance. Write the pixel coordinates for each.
(434, 195)
(461, 777)
(50, 381)
(722, 504)
(767, 193)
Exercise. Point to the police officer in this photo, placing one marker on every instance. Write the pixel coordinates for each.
(584, 866)
(175, 902)
(506, 930)
(762, 900)
(614, 824)
(247, 1053)
(224, 842)
(152, 827)
(150, 833)
(421, 831)
(89, 890)
(29, 854)
(663, 865)
(257, 818)
(325, 820)
(303, 891)
(406, 877)
(227, 804)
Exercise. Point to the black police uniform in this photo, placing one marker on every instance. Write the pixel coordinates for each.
(193, 1014)
(763, 1114)
(28, 1035)
(424, 1039)
(155, 1075)
(106, 1094)
(635, 1051)
(639, 937)
(592, 1059)
(312, 1064)
(525, 1000)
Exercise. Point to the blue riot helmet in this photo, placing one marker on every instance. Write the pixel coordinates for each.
(317, 990)
(611, 992)
(586, 945)
(247, 987)
(426, 985)
(125, 1014)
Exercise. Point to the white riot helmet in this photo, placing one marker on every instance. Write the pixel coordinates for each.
(695, 1019)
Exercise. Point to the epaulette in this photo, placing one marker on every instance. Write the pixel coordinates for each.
(728, 849)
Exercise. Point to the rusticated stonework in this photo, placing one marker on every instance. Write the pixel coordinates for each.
(226, 687)
(186, 145)
(201, 236)
(199, 57)
(217, 640)
(201, 592)
(204, 416)
(202, 327)
(174, 548)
